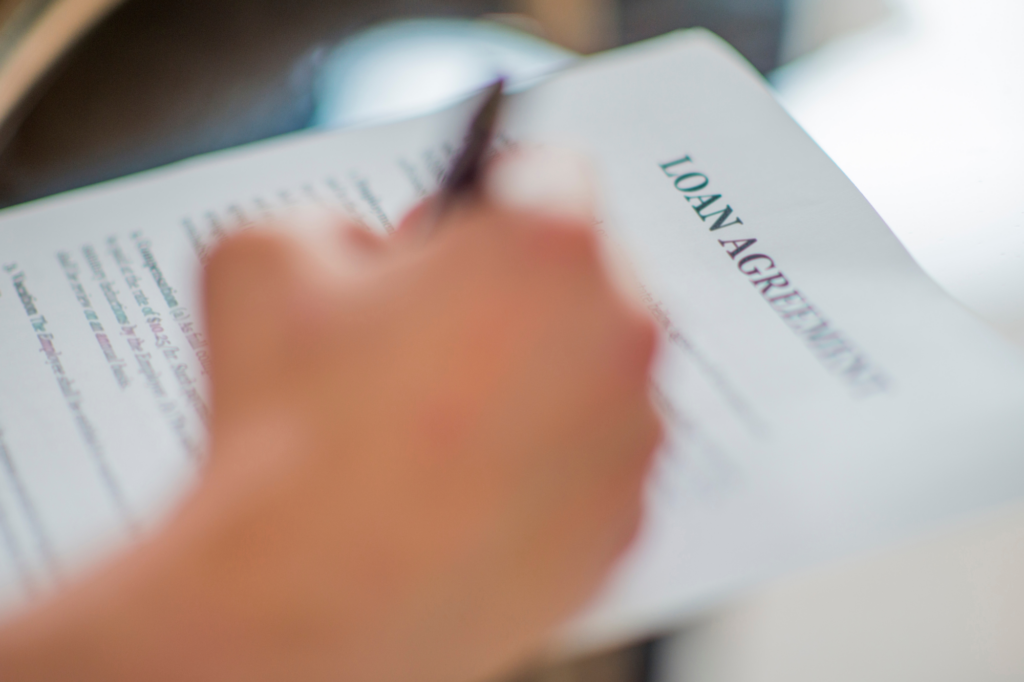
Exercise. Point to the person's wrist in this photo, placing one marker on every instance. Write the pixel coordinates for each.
(151, 613)
(102, 628)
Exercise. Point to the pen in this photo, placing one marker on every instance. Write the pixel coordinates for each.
(463, 178)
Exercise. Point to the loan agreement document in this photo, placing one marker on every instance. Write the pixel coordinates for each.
(821, 393)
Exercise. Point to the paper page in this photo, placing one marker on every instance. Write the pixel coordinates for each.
(103, 409)
(832, 399)
(824, 394)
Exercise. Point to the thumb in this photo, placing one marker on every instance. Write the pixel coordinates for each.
(554, 183)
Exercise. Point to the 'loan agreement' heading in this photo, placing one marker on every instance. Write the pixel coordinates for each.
(829, 346)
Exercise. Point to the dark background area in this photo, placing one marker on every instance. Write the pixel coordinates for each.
(162, 80)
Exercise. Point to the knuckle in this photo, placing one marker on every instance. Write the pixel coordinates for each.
(566, 239)
(654, 436)
(357, 238)
(247, 272)
(579, 239)
(645, 335)
(244, 250)
(646, 435)
(636, 346)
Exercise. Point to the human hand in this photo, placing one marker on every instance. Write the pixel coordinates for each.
(424, 456)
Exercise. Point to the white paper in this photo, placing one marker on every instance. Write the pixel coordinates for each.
(789, 463)
(782, 450)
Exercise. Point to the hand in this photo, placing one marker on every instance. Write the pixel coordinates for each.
(425, 456)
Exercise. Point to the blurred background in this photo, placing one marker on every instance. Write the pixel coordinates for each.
(920, 102)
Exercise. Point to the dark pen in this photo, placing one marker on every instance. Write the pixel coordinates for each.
(464, 176)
